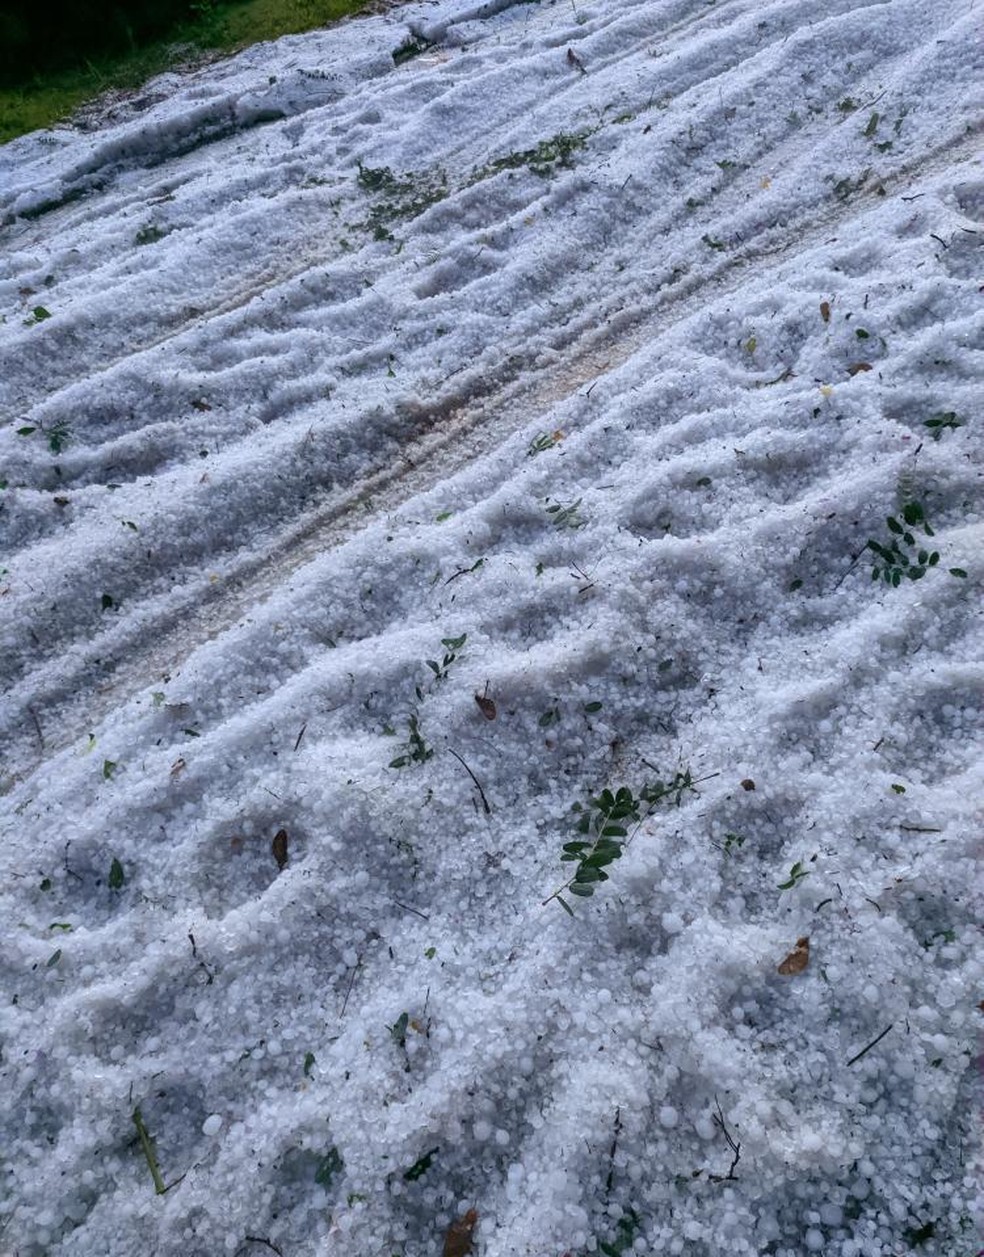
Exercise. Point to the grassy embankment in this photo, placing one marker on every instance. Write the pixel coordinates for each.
(219, 29)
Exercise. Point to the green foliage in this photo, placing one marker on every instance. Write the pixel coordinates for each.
(566, 516)
(902, 556)
(451, 647)
(942, 420)
(329, 1165)
(59, 434)
(420, 1166)
(543, 159)
(796, 875)
(409, 49)
(398, 1030)
(149, 235)
(417, 751)
(603, 821)
(116, 875)
(625, 1233)
(542, 442)
(109, 768)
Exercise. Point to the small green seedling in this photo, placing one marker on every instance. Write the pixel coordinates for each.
(542, 442)
(308, 1063)
(417, 750)
(939, 422)
(37, 315)
(109, 768)
(796, 875)
(117, 877)
(566, 516)
(59, 434)
(451, 647)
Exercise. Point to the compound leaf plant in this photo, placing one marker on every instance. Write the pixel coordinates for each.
(603, 822)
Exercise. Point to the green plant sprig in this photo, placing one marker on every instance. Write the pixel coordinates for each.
(417, 750)
(904, 556)
(604, 820)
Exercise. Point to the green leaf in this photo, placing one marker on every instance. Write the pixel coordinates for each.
(454, 643)
(912, 513)
(116, 875)
(53, 959)
(566, 906)
(330, 1165)
(434, 667)
(872, 126)
(26, 431)
(308, 1063)
(894, 525)
(401, 762)
(614, 831)
(398, 1030)
(40, 313)
(958, 571)
(106, 602)
(109, 767)
(592, 707)
(420, 1166)
(578, 888)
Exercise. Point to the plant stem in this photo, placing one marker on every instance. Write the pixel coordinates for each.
(148, 1151)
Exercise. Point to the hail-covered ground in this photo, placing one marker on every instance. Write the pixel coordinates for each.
(434, 442)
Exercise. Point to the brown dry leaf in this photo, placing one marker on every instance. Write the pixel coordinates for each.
(825, 311)
(748, 784)
(798, 958)
(486, 706)
(855, 367)
(458, 1241)
(178, 766)
(279, 848)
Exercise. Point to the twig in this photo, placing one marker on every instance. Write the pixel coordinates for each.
(348, 992)
(854, 562)
(919, 829)
(612, 1151)
(865, 1050)
(300, 735)
(258, 1239)
(735, 1147)
(478, 787)
(406, 908)
(37, 725)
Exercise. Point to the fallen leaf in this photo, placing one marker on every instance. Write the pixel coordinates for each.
(458, 1240)
(486, 706)
(200, 404)
(574, 60)
(825, 311)
(855, 367)
(178, 766)
(748, 784)
(279, 848)
(798, 958)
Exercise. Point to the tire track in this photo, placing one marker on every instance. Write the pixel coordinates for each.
(461, 426)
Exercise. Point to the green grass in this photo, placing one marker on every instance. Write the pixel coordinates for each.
(222, 29)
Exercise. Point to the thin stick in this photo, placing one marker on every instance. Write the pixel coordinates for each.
(355, 970)
(406, 908)
(478, 787)
(732, 1144)
(612, 1151)
(300, 735)
(865, 1050)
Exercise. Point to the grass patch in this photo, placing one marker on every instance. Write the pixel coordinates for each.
(219, 30)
